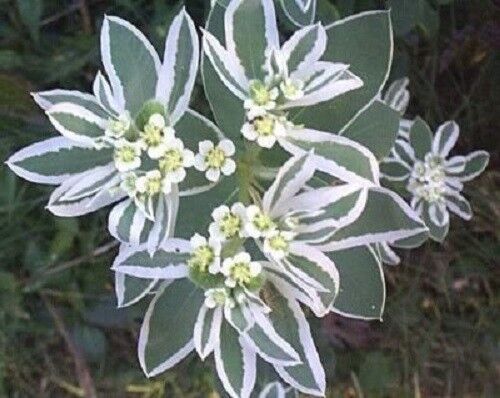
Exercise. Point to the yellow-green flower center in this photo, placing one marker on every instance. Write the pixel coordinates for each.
(264, 126)
(289, 89)
(153, 185)
(263, 222)
(152, 136)
(219, 296)
(240, 273)
(215, 158)
(125, 154)
(260, 93)
(279, 242)
(118, 126)
(201, 258)
(171, 161)
(230, 225)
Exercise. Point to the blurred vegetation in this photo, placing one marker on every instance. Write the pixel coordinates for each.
(59, 329)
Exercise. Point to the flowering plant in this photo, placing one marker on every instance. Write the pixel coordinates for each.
(235, 226)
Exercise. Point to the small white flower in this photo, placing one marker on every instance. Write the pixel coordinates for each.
(175, 160)
(266, 130)
(292, 89)
(258, 224)
(151, 183)
(127, 155)
(215, 159)
(128, 184)
(117, 127)
(262, 99)
(156, 135)
(278, 243)
(240, 270)
(228, 222)
(205, 254)
(218, 297)
(428, 179)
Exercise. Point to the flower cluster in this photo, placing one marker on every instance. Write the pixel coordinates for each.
(288, 78)
(306, 229)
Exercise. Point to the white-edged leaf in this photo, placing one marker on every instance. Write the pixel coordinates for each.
(291, 178)
(335, 155)
(103, 93)
(229, 70)
(131, 64)
(47, 99)
(330, 80)
(166, 335)
(445, 138)
(268, 343)
(475, 163)
(235, 362)
(207, 330)
(457, 204)
(130, 290)
(168, 261)
(83, 205)
(318, 267)
(239, 317)
(56, 159)
(251, 32)
(304, 48)
(177, 74)
(299, 12)
(387, 255)
(397, 95)
(295, 288)
(290, 322)
(273, 390)
(76, 122)
(359, 267)
(386, 218)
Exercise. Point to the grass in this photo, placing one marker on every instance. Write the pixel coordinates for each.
(440, 335)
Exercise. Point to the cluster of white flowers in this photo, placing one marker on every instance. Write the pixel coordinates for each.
(265, 122)
(428, 179)
(154, 160)
(237, 271)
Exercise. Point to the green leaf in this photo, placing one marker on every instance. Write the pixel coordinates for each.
(357, 267)
(130, 62)
(167, 262)
(436, 232)
(53, 160)
(298, 15)
(287, 318)
(376, 128)
(47, 99)
(363, 41)
(195, 211)
(336, 155)
(167, 331)
(420, 138)
(235, 364)
(130, 290)
(252, 34)
(399, 221)
(227, 108)
(475, 164)
(327, 12)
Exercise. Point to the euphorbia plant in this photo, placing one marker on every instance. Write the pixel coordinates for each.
(235, 226)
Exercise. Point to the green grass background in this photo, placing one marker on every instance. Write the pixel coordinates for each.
(440, 334)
